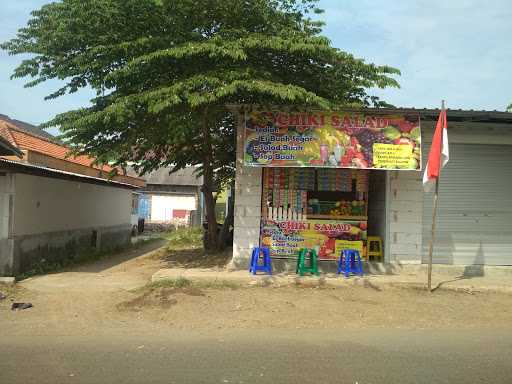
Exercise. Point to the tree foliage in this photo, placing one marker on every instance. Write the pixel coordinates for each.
(165, 70)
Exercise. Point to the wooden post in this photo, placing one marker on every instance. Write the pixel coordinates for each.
(431, 247)
(434, 215)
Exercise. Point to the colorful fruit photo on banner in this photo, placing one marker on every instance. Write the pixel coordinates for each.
(286, 237)
(332, 140)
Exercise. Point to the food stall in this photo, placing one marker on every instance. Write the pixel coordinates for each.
(316, 177)
(324, 209)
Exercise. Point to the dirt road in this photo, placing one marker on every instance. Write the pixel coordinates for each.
(102, 296)
(93, 324)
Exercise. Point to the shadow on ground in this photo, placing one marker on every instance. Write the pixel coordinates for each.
(195, 258)
(110, 261)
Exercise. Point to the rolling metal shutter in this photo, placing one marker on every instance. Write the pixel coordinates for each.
(474, 222)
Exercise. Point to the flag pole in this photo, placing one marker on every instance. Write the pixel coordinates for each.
(434, 214)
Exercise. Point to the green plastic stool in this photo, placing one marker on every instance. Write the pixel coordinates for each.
(313, 262)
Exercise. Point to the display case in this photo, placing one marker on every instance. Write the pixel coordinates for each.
(325, 209)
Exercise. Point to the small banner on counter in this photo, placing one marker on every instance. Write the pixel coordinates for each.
(285, 238)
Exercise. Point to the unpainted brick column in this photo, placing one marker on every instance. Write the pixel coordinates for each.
(247, 206)
(405, 217)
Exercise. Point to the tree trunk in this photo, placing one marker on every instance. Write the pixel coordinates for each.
(228, 222)
(211, 244)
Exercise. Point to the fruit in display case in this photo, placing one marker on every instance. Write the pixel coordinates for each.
(349, 208)
(358, 208)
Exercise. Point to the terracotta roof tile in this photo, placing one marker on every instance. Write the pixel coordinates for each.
(29, 128)
(6, 133)
(24, 140)
(28, 142)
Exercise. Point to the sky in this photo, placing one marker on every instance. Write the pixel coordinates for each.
(457, 50)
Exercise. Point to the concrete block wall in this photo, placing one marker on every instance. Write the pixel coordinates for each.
(405, 212)
(247, 207)
(6, 223)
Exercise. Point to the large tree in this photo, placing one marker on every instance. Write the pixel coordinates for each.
(165, 70)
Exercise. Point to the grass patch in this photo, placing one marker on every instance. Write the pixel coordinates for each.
(183, 282)
(185, 237)
(217, 284)
(179, 282)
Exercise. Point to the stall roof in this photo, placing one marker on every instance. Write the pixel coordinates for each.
(468, 115)
(455, 114)
(37, 170)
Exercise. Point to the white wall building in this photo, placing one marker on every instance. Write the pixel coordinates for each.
(47, 215)
(171, 198)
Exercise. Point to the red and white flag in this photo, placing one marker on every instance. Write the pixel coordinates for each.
(439, 153)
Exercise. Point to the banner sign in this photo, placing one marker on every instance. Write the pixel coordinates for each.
(332, 140)
(286, 237)
(349, 244)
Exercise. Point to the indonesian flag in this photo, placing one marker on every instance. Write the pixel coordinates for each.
(439, 154)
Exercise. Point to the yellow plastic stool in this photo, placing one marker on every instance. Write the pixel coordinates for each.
(374, 248)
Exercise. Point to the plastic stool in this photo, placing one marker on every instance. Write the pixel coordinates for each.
(350, 262)
(374, 247)
(313, 262)
(254, 267)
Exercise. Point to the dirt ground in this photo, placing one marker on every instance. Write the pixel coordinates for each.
(107, 296)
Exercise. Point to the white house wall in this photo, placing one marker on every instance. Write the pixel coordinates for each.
(162, 206)
(53, 219)
(44, 204)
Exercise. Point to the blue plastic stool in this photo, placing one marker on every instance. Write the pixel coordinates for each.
(254, 267)
(350, 262)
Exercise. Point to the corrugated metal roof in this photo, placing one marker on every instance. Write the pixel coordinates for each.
(16, 165)
(455, 114)
(184, 176)
(425, 113)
